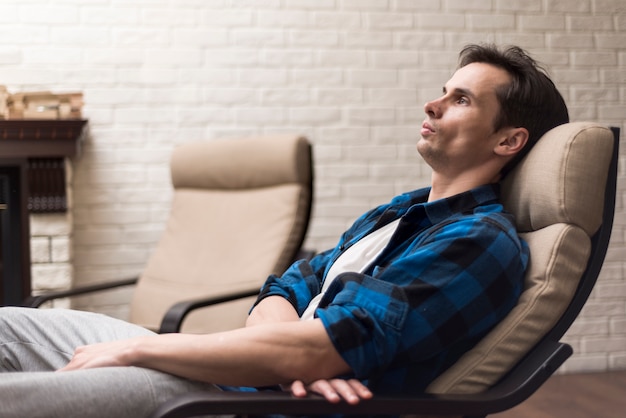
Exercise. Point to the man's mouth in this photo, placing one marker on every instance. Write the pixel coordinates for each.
(427, 129)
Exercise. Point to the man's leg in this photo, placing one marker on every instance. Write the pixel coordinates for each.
(45, 339)
(119, 392)
(41, 341)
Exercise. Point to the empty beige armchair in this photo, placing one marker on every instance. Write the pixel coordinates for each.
(240, 211)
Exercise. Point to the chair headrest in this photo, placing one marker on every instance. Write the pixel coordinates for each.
(241, 163)
(562, 179)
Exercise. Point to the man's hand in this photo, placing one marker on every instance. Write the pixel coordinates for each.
(352, 390)
(109, 354)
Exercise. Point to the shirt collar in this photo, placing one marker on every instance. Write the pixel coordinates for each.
(465, 202)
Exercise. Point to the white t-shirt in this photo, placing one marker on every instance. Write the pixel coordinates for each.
(356, 258)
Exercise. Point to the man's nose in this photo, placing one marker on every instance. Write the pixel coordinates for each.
(433, 108)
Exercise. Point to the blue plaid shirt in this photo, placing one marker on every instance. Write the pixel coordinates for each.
(452, 270)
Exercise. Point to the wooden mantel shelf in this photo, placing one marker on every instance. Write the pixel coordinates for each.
(41, 138)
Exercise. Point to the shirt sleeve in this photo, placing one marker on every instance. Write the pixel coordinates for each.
(451, 286)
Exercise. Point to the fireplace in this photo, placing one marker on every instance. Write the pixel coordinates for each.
(32, 180)
(14, 234)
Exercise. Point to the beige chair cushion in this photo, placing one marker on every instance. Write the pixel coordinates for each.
(556, 194)
(236, 217)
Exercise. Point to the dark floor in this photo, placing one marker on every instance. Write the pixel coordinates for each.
(590, 395)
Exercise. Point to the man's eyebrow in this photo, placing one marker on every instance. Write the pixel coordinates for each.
(460, 91)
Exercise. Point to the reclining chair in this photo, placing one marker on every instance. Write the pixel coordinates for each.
(240, 211)
(563, 196)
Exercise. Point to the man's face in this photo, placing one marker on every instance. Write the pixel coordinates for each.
(458, 132)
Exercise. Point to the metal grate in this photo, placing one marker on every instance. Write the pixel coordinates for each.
(46, 184)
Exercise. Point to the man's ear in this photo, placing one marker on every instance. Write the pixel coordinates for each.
(513, 140)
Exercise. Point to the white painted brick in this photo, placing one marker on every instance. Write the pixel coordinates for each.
(373, 77)
(40, 249)
(289, 58)
(612, 112)
(10, 55)
(51, 276)
(395, 59)
(285, 18)
(229, 96)
(277, 97)
(147, 76)
(589, 327)
(248, 77)
(519, 5)
(317, 77)
(169, 16)
(31, 77)
(590, 23)
(372, 116)
(319, 115)
(310, 4)
(393, 97)
(601, 345)
(454, 21)
(491, 21)
(262, 115)
(109, 16)
(417, 39)
(257, 4)
(365, 39)
(340, 96)
(12, 34)
(91, 37)
(50, 224)
(61, 250)
(558, 40)
(339, 20)
(140, 37)
(258, 38)
(365, 4)
(617, 361)
(617, 325)
(200, 37)
(57, 14)
(468, 5)
(378, 21)
(311, 38)
(341, 57)
(230, 18)
(548, 23)
(569, 6)
(173, 58)
(9, 13)
(584, 59)
(52, 56)
(114, 56)
(583, 364)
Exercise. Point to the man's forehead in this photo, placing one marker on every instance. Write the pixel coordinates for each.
(478, 79)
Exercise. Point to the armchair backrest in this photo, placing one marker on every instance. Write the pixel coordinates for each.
(557, 194)
(240, 211)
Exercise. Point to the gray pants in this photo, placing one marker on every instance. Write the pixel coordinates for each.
(35, 342)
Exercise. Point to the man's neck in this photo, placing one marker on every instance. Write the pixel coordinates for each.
(442, 186)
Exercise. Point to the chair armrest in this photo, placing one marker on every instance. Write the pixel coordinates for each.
(35, 301)
(174, 317)
(517, 386)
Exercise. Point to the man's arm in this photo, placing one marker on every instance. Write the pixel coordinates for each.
(272, 309)
(266, 354)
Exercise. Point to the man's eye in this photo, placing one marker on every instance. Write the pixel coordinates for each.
(462, 100)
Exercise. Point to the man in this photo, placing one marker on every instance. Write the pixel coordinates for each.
(409, 288)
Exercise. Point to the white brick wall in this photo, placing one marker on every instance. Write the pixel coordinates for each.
(350, 74)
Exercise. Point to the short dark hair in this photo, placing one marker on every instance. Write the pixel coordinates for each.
(531, 100)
